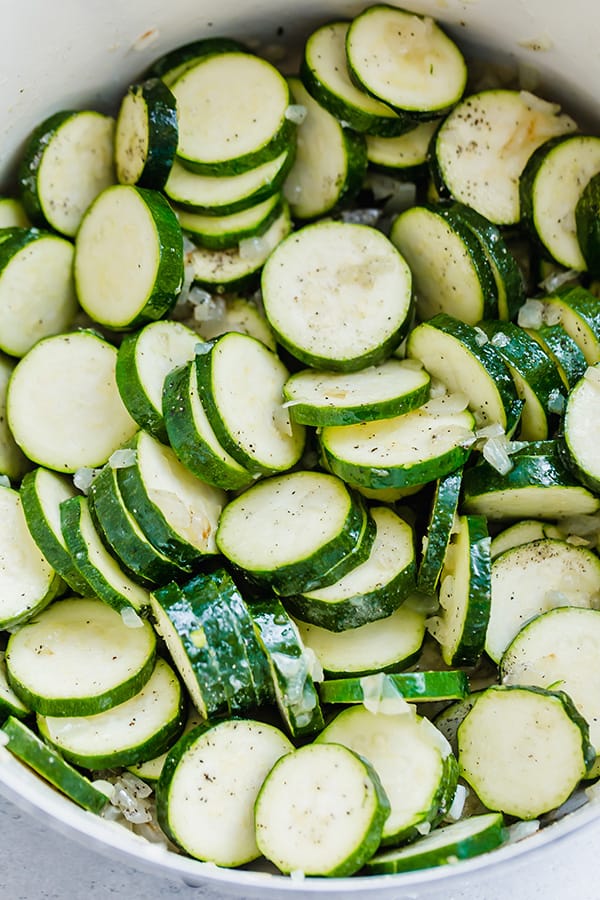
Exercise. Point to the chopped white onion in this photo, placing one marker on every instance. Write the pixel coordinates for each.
(538, 104)
(82, 479)
(556, 402)
(531, 314)
(381, 696)
(4, 481)
(494, 452)
(297, 875)
(202, 348)
(105, 787)
(369, 216)
(122, 459)
(481, 337)
(437, 389)
(592, 374)
(131, 618)
(495, 430)
(500, 339)
(552, 315)
(521, 830)
(313, 664)
(556, 279)
(423, 828)
(458, 803)
(254, 248)
(296, 113)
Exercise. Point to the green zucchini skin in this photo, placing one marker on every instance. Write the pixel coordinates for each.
(579, 315)
(157, 158)
(587, 219)
(441, 519)
(562, 349)
(185, 55)
(421, 687)
(26, 745)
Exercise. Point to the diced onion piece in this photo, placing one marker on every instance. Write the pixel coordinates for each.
(481, 337)
(131, 618)
(4, 481)
(296, 113)
(531, 314)
(254, 248)
(521, 830)
(556, 279)
(494, 452)
(82, 479)
(122, 459)
(458, 803)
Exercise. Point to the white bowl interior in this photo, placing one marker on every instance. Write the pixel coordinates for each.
(87, 54)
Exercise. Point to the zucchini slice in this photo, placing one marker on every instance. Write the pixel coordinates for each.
(26, 746)
(27, 581)
(465, 594)
(37, 296)
(412, 449)
(231, 109)
(523, 532)
(405, 60)
(534, 577)
(562, 350)
(290, 667)
(324, 72)
(451, 272)
(404, 156)
(391, 389)
(461, 840)
(439, 531)
(536, 378)
(453, 352)
(296, 532)
(371, 590)
(13, 462)
(191, 436)
(222, 232)
(176, 511)
(128, 257)
(327, 777)
(205, 798)
(104, 575)
(558, 650)
(10, 705)
(418, 687)
(12, 213)
(551, 185)
(505, 754)
(580, 432)
(484, 174)
(144, 360)
(241, 383)
(586, 225)
(539, 485)
(42, 492)
(67, 162)
(63, 405)
(386, 645)
(413, 760)
(79, 658)
(318, 181)
(578, 312)
(356, 269)
(146, 135)
(138, 729)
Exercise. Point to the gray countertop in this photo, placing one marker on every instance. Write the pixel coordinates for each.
(38, 863)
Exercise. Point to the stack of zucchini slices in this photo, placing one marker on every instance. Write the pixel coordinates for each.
(372, 485)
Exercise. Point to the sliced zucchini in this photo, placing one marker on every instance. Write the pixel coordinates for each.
(453, 352)
(37, 297)
(171, 64)
(562, 349)
(377, 392)
(290, 667)
(357, 269)
(418, 687)
(505, 754)
(27, 581)
(318, 181)
(103, 574)
(405, 60)
(387, 645)
(550, 187)
(523, 532)
(241, 383)
(535, 577)
(461, 840)
(192, 437)
(370, 591)
(580, 429)
(405, 155)
(439, 530)
(538, 486)
(411, 449)
(79, 658)
(586, 225)
(238, 267)
(63, 406)
(144, 360)
(123, 536)
(13, 462)
(484, 174)
(149, 770)
(222, 232)
(240, 314)
(176, 511)
(26, 746)
(231, 109)
(146, 135)
(465, 594)
(578, 312)
(205, 798)
(10, 705)
(136, 730)
(128, 257)
(450, 270)
(354, 807)
(535, 375)
(67, 162)
(417, 770)
(42, 492)
(558, 650)
(297, 532)
(224, 195)
(12, 213)
(324, 72)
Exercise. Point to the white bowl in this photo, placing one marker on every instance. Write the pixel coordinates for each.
(70, 54)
